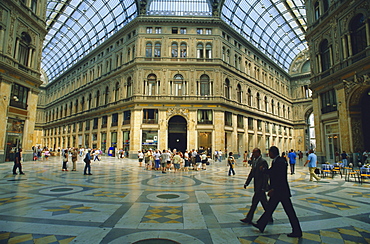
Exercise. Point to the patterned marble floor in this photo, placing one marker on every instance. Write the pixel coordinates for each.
(123, 203)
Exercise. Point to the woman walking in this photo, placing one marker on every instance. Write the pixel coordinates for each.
(65, 160)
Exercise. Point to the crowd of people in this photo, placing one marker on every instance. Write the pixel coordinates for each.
(167, 160)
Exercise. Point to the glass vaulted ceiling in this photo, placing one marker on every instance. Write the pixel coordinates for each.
(276, 27)
(76, 27)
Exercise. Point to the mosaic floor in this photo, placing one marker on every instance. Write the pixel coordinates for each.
(123, 203)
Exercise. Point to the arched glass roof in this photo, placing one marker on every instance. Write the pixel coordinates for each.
(76, 27)
(276, 27)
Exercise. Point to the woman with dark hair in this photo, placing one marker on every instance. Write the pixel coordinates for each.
(17, 162)
(65, 160)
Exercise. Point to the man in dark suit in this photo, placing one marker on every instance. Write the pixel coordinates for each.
(279, 192)
(259, 165)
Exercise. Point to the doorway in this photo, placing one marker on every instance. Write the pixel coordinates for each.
(177, 133)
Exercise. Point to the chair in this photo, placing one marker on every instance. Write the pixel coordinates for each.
(364, 176)
(353, 173)
(336, 170)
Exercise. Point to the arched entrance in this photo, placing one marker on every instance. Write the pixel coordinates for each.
(365, 117)
(177, 133)
(359, 104)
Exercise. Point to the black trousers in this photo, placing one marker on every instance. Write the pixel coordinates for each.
(259, 196)
(292, 167)
(17, 165)
(288, 208)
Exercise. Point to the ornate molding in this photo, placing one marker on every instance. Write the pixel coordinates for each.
(357, 80)
(177, 111)
(357, 134)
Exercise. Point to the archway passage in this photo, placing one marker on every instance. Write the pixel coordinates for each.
(177, 133)
(365, 105)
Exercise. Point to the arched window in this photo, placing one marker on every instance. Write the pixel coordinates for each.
(200, 52)
(24, 49)
(116, 92)
(76, 106)
(208, 50)
(266, 105)
(178, 86)
(128, 54)
(97, 99)
(258, 100)
(106, 95)
(227, 89)
(204, 86)
(317, 10)
(272, 106)
(358, 34)
(183, 50)
(325, 55)
(278, 109)
(228, 56)
(148, 50)
(249, 101)
(82, 103)
(284, 111)
(129, 87)
(89, 101)
(239, 93)
(325, 5)
(152, 87)
(174, 50)
(157, 50)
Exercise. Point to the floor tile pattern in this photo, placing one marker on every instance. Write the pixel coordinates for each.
(124, 203)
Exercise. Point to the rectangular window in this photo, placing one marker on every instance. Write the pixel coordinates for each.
(328, 102)
(95, 125)
(208, 31)
(199, 31)
(182, 30)
(259, 125)
(87, 125)
(205, 116)
(126, 117)
(19, 96)
(149, 30)
(250, 123)
(228, 119)
(150, 116)
(115, 119)
(240, 121)
(175, 30)
(149, 139)
(158, 30)
(104, 121)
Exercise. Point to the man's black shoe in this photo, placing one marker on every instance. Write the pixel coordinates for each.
(258, 227)
(294, 235)
(14, 173)
(89, 174)
(85, 174)
(22, 173)
(246, 221)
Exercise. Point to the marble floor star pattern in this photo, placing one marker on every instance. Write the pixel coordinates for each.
(124, 203)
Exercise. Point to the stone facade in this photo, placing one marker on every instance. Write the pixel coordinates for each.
(22, 30)
(228, 94)
(339, 39)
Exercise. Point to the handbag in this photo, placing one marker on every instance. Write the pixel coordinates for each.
(317, 171)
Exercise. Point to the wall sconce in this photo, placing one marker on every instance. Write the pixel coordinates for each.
(16, 98)
(5, 97)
